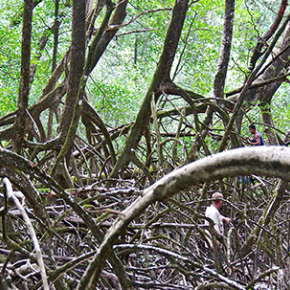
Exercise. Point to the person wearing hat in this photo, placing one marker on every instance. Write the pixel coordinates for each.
(218, 219)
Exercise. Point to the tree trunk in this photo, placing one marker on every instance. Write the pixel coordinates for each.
(20, 122)
(220, 78)
(158, 85)
(77, 59)
(73, 102)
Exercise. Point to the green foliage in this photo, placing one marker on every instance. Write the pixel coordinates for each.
(203, 26)
(125, 70)
(117, 104)
(10, 43)
(10, 56)
(280, 109)
(116, 89)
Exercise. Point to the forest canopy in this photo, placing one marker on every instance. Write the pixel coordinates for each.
(119, 120)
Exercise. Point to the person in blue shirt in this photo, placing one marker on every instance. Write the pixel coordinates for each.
(256, 141)
(258, 138)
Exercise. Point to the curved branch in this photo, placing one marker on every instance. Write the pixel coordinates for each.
(16, 162)
(31, 230)
(265, 160)
(90, 113)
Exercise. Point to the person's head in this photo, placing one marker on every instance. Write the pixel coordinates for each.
(252, 129)
(217, 199)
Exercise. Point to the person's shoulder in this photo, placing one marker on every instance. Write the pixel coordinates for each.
(211, 209)
(207, 208)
